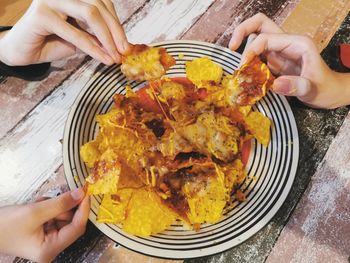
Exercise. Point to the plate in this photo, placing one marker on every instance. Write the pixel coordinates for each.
(271, 170)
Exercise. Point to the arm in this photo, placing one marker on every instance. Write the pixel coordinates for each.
(295, 60)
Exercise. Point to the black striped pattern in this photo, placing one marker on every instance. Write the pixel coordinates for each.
(271, 170)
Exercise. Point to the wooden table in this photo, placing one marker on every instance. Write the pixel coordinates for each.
(313, 225)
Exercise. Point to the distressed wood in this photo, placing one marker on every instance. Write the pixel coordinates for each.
(35, 142)
(323, 19)
(166, 20)
(319, 229)
(120, 254)
(18, 97)
(226, 15)
(12, 10)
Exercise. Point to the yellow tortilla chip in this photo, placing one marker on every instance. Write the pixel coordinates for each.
(89, 153)
(113, 207)
(105, 175)
(259, 125)
(146, 215)
(245, 109)
(202, 70)
(206, 206)
(234, 174)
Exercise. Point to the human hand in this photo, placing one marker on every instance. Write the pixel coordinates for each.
(295, 59)
(40, 231)
(49, 31)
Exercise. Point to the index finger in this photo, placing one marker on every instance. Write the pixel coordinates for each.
(71, 232)
(258, 23)
(292, 47)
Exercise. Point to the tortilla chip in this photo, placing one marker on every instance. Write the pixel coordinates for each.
(254, 79)
(206, 206)
(89, 153)
(105, 174)
(113, 207)
(146, 63)
(259, 126)
(202, 70)
(245, 109)
(234, 174)
(146, 215)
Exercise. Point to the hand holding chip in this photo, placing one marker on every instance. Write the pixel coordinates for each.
(51, 30)
(295, 59)
(40, 231)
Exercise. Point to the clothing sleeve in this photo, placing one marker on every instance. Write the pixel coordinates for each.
(30, 72)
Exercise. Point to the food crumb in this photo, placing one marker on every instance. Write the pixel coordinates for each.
(76, 178)
(240, 196)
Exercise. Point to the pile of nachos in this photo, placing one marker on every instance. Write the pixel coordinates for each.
(173, 149)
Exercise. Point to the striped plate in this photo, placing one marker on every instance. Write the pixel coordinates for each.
(271, 170)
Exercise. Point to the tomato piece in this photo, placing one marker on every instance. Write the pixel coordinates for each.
(246, 151)
(165, 59)
(146, 101)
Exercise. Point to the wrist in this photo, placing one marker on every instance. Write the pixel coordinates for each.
(342, 82)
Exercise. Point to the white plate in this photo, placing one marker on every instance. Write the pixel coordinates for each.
(271, 170)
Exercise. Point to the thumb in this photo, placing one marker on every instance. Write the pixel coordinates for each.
(48, 209)
(293, 86)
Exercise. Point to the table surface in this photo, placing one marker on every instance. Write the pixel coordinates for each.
(313, 224)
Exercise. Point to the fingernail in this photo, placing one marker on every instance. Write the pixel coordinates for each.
(77, 194)
(282, 86)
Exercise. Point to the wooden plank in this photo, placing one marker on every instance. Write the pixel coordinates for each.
(218, 23)
(323, 19)
(12, 10)
(120, 254)
(35, 143)
(319, 229)
(18, 97)
(125, 9)
(166, 20)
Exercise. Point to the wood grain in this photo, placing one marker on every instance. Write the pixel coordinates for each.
(12, 10)
(319, 229)
(226, 15)
(164, 20)
(317, 19)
